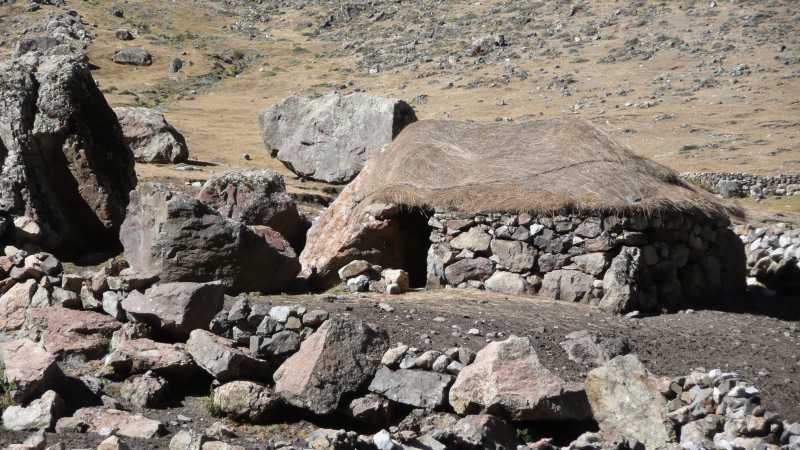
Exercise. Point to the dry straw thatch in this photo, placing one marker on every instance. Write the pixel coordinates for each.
(539, 167)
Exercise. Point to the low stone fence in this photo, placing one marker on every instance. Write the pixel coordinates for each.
(737, 184)
(773, 255)
(621, 264)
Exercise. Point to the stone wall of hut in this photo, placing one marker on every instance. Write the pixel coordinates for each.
(622, 264)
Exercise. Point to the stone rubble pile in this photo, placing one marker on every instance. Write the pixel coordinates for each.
(59, 34)
(361, 276)
(618, 263)
(738, 184)
(773, 255)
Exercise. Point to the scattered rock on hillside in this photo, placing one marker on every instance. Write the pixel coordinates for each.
(508, 378)
(331, 137)
(627, 402)
(134, 56)
(335, 361)
(150, 137)
(66, 171)
(176, 308)
(182, 239)
(256, 197)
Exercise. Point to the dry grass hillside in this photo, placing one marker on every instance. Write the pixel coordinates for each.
(695, 85)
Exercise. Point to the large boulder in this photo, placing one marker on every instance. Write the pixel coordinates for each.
(65, 171)
(28, 368)
(334, 362)
(507, 379)
(331, 137)
(134, 56)
(256, 197)
(150, 137)
(176, 309)
(182, 239)
(627, 402)
(222, 360)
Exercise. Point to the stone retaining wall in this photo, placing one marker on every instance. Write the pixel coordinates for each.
(737, 184)
(773, 255)
(619, 263)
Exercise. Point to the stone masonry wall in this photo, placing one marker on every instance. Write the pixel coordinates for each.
(773, 255)
(737, 184)
(619, 263)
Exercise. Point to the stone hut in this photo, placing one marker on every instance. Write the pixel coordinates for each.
(551, 207)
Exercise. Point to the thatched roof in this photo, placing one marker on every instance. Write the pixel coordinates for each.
(543, 166)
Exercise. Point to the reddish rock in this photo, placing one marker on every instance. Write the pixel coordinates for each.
(127, 424)
(256, 197)
(69, 332)
(29, 368)
(135, 356)
(14, 304)
(508, 379)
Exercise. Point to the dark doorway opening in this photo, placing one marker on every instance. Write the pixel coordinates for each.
(415, 239)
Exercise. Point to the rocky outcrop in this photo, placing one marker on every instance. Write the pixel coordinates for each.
(66, 171)
(331, 137)
(336, 361)
(508, 379)
(181, 239)
(176, 309)
(256, 197)
(150, 137)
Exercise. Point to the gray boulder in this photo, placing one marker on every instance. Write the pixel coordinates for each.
(181, 239)
(28, 368)
(222, 360)
(40, 414)
(256, 197)
(417, 388)
(151, 138)
(245, 401)
(627, 402)
(65, 171)
(590, 350)
(331, 137)
(482, 432)
(144, 391)
(134, 56)
(508, 379)
(477, 269)
(176, 308)
(334, 362)
(508, 283)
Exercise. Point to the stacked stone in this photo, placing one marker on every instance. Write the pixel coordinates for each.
(773, 255)
(275, 331)
(717, 409)
(738, 184)
(619, 263)
(361, 276)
